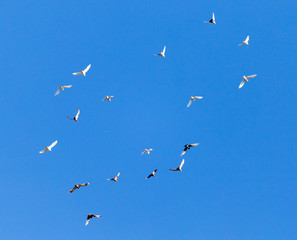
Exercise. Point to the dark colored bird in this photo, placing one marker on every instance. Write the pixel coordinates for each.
(115, 178)
(76, 116)
(152, 174)
(180, 166)
(90, 216)
(77, 186)
(188, 146)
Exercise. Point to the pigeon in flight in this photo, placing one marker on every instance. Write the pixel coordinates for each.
(76, 116)
(83, 72)
(107, 98)
(115, 179)
(188, 146)
(180, 166)
(193, 99)
(152, 174)
(245, 42)
(49, 148)
(162, 54)
(245, 79)
(148, 151)
(212, 20)
(90, 216)
(77, 186)
(61, 88)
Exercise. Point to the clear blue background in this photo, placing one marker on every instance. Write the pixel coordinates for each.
(240, 183)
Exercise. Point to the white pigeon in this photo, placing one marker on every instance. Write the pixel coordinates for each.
(245, 79)
(212, 20)
(148, 151)
(245, 42)
(61, 88)
(107, 98)
(162, 54)
(49, 148)
(83, 72)
(193, 99)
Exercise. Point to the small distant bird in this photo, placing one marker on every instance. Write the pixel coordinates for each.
(83, 72)
(180, 166)
(188, 146)
(162, 54)
(107, 98)
(62, 88)
(76, 116)
(245, 42)
(148, 151)
(152, 174)
(193, 99)
(245, 79)
(49, 148)
(77, 186)
(115, 178)
(90, 216)
(212, 20)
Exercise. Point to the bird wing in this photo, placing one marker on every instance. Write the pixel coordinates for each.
(247, 39)
(104, 99)
(150, 149)
(87, 68)
(72, 190)
(57, 92)
(83, 184)
(97, 216)
(190, 102)
(172, 170)
(241, 44)
(77, 115)
(67, 86)
(43, 151)
(155, 170)
(87, 222)
(183, 153)
(198, 97)
(164, 49)
(213, 16)
(251, 76)
(241, 84)
(149, 176)
(194, 144)
(53, 144)
(118, 174)
(182, 163)
(77, 73)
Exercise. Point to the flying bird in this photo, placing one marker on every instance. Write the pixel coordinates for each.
(245, 79)
(212, 20)
(107, 98)
(245, 42)
(76, 116)
(148, 151)
(61, 88)
(115, 179)
(152, 174)
(162, 54)
(180, 166)
(83, 72)
(193, 99)
(49, 148)
(90, 216)
(188, 146)
(77, 186)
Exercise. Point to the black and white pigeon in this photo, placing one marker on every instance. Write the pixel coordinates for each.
(76, 116)
(77, 186)
(115, 179)
(152, 174)
(90, 216)
(212, 20)
(188, 146)
(180, 166)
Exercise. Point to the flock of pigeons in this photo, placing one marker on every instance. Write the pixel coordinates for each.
(146, 151)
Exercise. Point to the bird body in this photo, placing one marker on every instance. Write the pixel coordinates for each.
(49, 148)
(162, 54)
(61, 88)
(83, 72)
(246, 79)
(115, 179)
(193, 99)
(108, 98)
(152, 174)
(90, 216)
(179, 168)
(147, 151)
(76, 116)
(245, 42)
(77, 186)
(188, 146)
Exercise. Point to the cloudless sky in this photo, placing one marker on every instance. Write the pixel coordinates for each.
(239, 183)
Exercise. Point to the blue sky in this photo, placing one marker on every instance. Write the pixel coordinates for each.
(240, 183)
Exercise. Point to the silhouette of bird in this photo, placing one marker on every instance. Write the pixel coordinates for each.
(115, 178)
(90, 216)
(245, 79)
(61, 88)
(188, 146)
(162, 54)
(245, 42)
(152, 174)
(49, 148)
(107, 98)
(148, 151)
(77, 186)
(180, 166)
(83, 72)
(76, 116)
(212, 20)
(193, 99)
